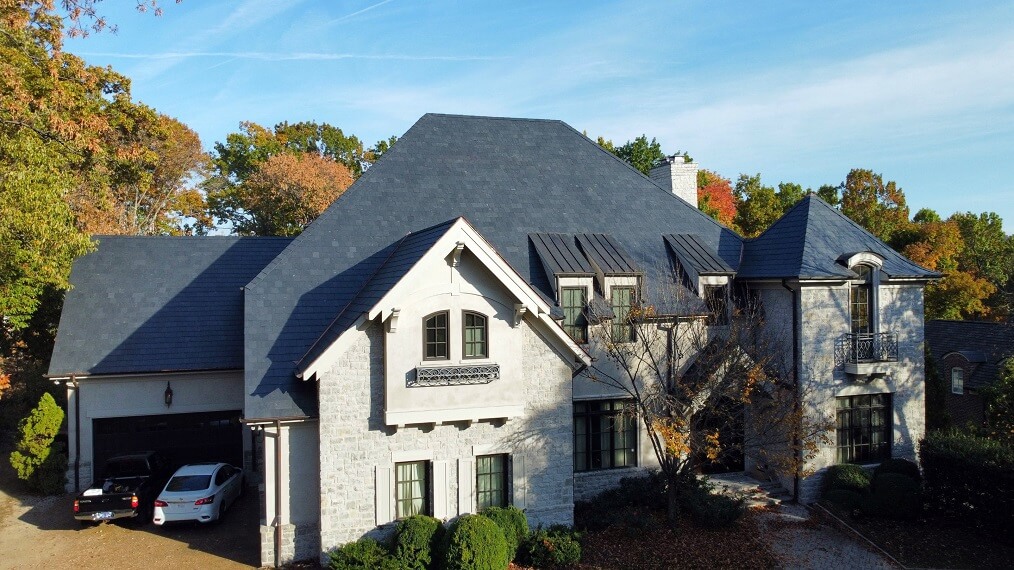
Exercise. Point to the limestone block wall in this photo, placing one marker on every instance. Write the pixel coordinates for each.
(356, 445)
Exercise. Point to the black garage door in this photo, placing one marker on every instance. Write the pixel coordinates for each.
(182, 438)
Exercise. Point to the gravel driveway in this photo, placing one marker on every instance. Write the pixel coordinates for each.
(39, 532)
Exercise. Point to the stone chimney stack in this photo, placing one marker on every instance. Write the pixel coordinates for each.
(677, 176)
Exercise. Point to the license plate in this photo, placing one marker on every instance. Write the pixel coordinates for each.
(102, 516)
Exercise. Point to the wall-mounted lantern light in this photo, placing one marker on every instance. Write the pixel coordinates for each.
(168, 395)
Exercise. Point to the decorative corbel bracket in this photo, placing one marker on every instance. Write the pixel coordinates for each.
(456, 254)
(519, 313)
(392, 321)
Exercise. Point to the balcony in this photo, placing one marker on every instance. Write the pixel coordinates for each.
(866, 354)
(462, 375)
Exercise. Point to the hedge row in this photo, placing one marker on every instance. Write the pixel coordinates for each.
(488, 541)
(972, 476)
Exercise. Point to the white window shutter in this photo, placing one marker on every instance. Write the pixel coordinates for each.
(520, 480)
(384, 489)
(466, 482)
(440, 489)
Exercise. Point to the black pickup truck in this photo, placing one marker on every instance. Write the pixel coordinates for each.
(127, 488)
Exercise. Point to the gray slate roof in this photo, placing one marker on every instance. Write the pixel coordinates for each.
(985, 343)
(158, 304)
(808, 240)
(508, 177)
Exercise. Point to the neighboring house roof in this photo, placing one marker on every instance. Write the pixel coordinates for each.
(808, 241)
(158, 304)
(695, 254)
(985, 344)
(508, 177)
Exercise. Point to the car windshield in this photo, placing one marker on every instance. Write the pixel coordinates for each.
(126, 468)
(183, 483)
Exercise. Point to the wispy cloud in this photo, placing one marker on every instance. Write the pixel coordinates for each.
(358, 12)
(296, 56)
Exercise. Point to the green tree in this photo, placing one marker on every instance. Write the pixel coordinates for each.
(874, 205)
(988, 253)
(35, 460)
(1000, 404)
(759, 206)
(640, 153)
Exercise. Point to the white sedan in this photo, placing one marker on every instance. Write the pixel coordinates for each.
(199, 492)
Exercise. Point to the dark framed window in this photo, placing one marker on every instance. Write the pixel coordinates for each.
(490, 481)
(435, 345)
(864, 428)
(605, 435)
(622, 299)
(716, 297)
(476, 333)
(411, 488)
(957, 380)
(860, 299)
(573, 301)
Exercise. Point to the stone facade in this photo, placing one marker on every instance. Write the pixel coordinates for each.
(355, 441)
(824, 317)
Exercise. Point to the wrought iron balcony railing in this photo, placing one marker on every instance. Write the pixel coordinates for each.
(460, 375)
(866, 348)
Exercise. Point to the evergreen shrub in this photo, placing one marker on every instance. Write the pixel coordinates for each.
(513, 523)
(553, 547)
(475, 542)
(363, 554)
(415, 541)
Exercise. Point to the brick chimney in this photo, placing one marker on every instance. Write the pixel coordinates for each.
(678, 177)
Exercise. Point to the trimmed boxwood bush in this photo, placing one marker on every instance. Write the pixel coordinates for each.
(894, 496)
(474, 542)
(647, 490)
(548, 548)
(971, 476)
(513, 523)
(415, 541)
(900, 466)
(363, 554)
(846, 499)
(847, 476)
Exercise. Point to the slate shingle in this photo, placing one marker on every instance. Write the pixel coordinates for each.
(985, 343)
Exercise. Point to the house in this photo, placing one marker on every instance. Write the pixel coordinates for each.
(968, 356)
(424, 345)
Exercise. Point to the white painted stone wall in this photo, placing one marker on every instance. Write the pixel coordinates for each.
(355, 441)
(143, 395)
(678, 177)
(300, 507)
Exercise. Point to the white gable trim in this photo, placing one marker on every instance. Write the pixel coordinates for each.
(459, 236)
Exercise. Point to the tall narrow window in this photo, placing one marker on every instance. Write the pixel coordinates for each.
(475, 332)
(435, 341)
(573, 301)
(622, 301)
(860, 298)
(718, 307)
(605, 435)
(490, 481)
(411, 488)
(957, 380)
(864, 428)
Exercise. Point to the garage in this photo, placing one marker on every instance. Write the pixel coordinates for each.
(182, 438)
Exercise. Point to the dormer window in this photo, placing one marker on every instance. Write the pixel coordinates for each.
(435, 340)
(475, 335)
(622, 299)
(861, 300)
(957, 380)
(573, 301)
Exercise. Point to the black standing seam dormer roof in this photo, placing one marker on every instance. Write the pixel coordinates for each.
(692, 252)
(560, 255)
(607, 255)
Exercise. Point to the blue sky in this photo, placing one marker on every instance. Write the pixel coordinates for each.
(922, 92)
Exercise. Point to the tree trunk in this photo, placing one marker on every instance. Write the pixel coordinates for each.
(672, 500)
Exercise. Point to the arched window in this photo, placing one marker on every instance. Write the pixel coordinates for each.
(475, 336)
(861, 300)
(435, 337)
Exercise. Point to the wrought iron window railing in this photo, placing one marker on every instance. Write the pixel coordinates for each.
(860, 348)
(462, 375)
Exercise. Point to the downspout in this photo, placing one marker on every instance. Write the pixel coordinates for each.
(77, 434)
(797, 396)
(278, 493)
